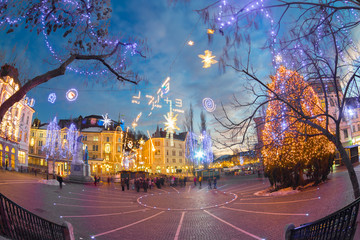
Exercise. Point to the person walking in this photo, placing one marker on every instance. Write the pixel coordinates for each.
(95, 180)
(200, 180)
(209, 183)
(195, 181)
(60, 180)
(123, 184)
(127, 182)
(185, 180)
(145, 185)
(215, 182)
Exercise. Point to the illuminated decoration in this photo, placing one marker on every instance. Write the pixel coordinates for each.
(152, 144)
(190, 43)
(210, 31)
(72, 135)
(52, 97)
(130, 144)
(107, 148)
(134, 125)
(199, 155)
(135, 122)
(278, 58)
(32, 142)
(71, 94)
(142, 142)
(170, 125)
(165, 87)
(209, 104)
(136, 99)
(208, 59)
(206, 146)
(241, 160)
(107, 121)
(288, 147)
(53, 140)
(29, 101)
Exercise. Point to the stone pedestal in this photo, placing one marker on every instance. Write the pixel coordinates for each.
(80, 173)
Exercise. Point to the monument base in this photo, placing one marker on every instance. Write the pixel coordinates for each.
(80, 173)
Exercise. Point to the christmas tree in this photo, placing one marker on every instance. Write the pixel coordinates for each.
(291, 145)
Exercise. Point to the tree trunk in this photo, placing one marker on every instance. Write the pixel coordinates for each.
(346, 160)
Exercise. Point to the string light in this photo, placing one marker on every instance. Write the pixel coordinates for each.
(72, 94)
(209, 104)
(52, 97)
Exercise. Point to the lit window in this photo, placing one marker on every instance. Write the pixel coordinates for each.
(345, 133)
(174, 160)
(96, 138)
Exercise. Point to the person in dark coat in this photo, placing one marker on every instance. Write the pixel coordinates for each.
(145, 185)
(122, 184)
(95, 180)
(209, 183)
(127, 182)
(215, 182)
(60, 180)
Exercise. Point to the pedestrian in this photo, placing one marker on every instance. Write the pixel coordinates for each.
(209, 183)
(185, 179)
(127, 182)
(172, 181)
(145, 185)
(122, 184)
(108, 179)
(195, 181)
(150, 183)
(200, 180)
(137, 185)
(60, 180)
(95, 180)
(215, 182)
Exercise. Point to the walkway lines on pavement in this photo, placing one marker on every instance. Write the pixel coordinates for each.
(88, 200)
(268, 213)
(301, 200)
(126, 226)
(231, 225)
(87, 195)
(175, 189)
(179, 226)
(93, 206)
(104, 214)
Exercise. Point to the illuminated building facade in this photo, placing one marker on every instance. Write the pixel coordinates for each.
(158, 156)
(105, 146)
(15, 127)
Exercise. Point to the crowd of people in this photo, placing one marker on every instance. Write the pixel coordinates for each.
(146, 183)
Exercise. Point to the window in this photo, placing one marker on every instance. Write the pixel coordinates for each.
(21, 157)
(119, 139)
(167, 160)
(20, 136)
(345, 133)
(358, 127)
(65, 136)
(180, 160)
(27, 120)
(25, 137)
(40, 143)
(85, 138)
(96, 138)
(157, 143)
(180, 153)
(157, 152)
(107, 139)
(167, 152)
(167, 143)
(118, 148)
(33, 134)
(353, 128)
(174, 153)
(41, 135)
(22, 118)
(95, 147)
(174, 160)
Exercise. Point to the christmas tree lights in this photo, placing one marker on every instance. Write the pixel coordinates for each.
(290, 144)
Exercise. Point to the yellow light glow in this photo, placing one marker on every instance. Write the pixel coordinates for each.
(170, 123)
(208, 59)
(210, 31)
(190, 43)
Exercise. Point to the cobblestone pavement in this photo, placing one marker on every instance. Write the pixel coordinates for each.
(230, 212)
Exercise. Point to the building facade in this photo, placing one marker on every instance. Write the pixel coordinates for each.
(15, 127)
(159, 156)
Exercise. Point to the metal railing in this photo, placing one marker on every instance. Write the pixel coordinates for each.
(19, 223)
(340, 225)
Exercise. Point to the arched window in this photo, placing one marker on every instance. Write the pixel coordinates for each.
(13, 150)
(6, 148)
(1, 147)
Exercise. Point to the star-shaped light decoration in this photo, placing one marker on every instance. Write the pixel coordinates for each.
(170, 123)
(278, 58)
(208, 59)
(107, 120)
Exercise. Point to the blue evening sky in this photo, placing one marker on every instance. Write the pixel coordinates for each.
(166, 29)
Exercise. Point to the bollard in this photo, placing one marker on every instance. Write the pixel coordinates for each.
(287, 232)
